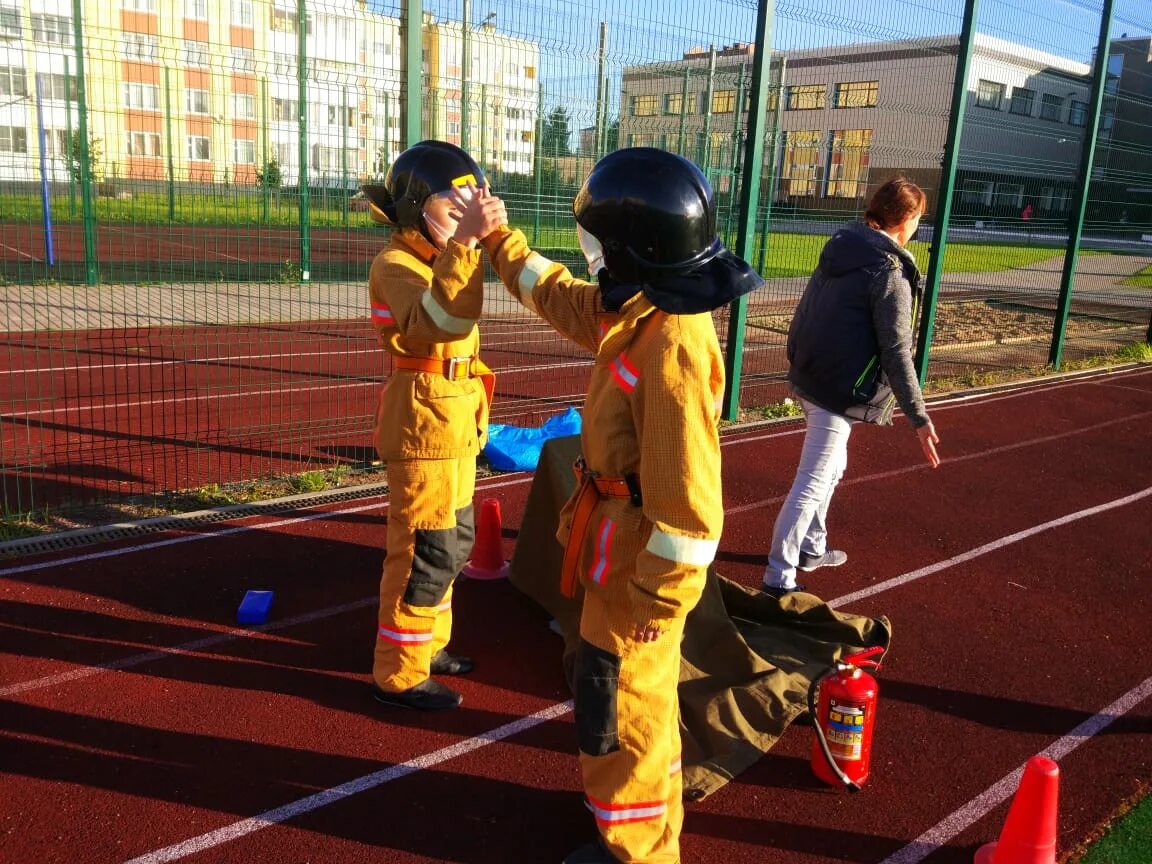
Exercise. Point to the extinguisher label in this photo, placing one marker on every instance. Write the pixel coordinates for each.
(845, 732)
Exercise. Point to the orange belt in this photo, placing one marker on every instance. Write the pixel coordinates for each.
(452, 368)
(593, 487)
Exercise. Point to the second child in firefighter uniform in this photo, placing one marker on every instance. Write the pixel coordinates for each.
(426, 293)
(645, 522)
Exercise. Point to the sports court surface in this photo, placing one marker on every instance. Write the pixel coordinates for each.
(140, 725)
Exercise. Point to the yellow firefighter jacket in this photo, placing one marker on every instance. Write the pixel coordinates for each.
(652, 409)
(425, 304)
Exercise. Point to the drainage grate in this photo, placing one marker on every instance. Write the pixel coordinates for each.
(121, 530)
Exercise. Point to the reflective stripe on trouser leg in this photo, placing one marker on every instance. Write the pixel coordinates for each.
(632, 782)
(415, 616)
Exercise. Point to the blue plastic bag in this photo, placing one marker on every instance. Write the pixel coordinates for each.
(517, 448)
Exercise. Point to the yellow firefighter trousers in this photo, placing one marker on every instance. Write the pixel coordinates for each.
(627, 716)
(430, 535)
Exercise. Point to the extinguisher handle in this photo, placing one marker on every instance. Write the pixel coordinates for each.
(864, 658)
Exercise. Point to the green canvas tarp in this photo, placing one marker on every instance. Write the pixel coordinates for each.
(747, 659)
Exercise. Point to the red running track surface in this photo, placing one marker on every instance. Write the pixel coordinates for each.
(139, 725)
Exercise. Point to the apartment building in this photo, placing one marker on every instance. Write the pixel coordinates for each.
(210, 89)
(844, 118)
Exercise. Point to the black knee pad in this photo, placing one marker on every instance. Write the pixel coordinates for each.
(597, 682)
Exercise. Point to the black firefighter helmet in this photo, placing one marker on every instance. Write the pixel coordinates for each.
(421, 171)
(654, 214)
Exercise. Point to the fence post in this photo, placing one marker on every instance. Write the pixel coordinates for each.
(602, 93)
(778, 89)
(68, 100)
(413, 71)
(737, 111)
(682, 141)
(302, 132)
(947, 185)
(1083, 185)
(749, 201)
(168, 140)
(344, 154)
(45, 198)
(483, 122)
(91, 273)
(264, 133)
(538, 167)
(465, 64)
(705, 148)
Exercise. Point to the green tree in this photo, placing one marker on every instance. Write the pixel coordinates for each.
(555, 134)
(270, 176)
(72, 157)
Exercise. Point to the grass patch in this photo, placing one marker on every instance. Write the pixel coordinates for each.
(1126, 841)
(1143, 279)
(1137, 352)
(20, 525)
(784, 408)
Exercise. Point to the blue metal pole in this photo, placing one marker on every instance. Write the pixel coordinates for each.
(46, 202)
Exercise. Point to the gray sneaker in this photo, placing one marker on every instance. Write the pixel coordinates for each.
(831, 558)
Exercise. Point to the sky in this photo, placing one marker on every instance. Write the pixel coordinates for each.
(646, 31)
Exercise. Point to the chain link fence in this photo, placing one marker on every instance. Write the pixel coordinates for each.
(184, 249)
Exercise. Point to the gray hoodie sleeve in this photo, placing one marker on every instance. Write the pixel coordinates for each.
(891, 297)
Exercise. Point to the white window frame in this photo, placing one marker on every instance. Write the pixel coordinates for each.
(193, 141)
(247, 144)
(243, 13)
(243, 106)
(141, 97)
(144, 144)
(140, 46)
(196, 9)
(10, 136)
(192, 100)
(138, 5)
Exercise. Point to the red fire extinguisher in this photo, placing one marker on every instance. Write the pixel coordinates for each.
(844, 719)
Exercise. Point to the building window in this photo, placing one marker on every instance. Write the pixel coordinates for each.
(806, 97)
(243, 59)
(283, 20)
(848, 163)
(10, 24)
(673, 103)
(1009, 195)
(140, 46)
(13, 139)
(244, 151)
(1022, 100)
(196, 54)
(199, 148)
(196, 9)
(803, 157)
(723, 101)
(644, 106)
(242, 13)
(1112, 77)
(145, 97)
(243, 106)
(52, 29)
(13, 81)
(1051, 107)
(54, 86)
(284, 110)
(1078, 114)
(989, 94)
(977, 192)
(196, 101)
(349, 116)
(138, 5)
(1054, 199)
(1107, 123)
(857, 94)
(143, 144)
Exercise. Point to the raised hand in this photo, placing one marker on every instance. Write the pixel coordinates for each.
(480, 213)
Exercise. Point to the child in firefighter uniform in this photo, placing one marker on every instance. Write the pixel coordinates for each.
(644, 523)
(426, 293)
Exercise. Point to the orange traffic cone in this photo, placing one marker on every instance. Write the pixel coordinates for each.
(1029, 833)
(487, 561)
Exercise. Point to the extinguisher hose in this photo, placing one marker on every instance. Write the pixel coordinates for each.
(851, 785)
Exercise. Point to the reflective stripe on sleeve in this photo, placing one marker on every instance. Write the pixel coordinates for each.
(404, 637)
(534, 268)
(442, 319)
(682, 550)
(381, 314)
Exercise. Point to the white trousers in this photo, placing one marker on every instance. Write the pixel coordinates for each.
(801, 525)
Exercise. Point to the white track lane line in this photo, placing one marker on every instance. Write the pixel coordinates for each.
(352, 787)
(920, 846)
(980, 806)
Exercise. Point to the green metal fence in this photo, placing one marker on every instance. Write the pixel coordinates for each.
(184, 254)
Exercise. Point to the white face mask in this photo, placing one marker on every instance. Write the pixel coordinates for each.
(593, 251)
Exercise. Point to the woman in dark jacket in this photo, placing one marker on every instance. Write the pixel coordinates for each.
(850, 356)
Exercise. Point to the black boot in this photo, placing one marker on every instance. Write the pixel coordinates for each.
(444, 663)
(592, 853)
(428, 695)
